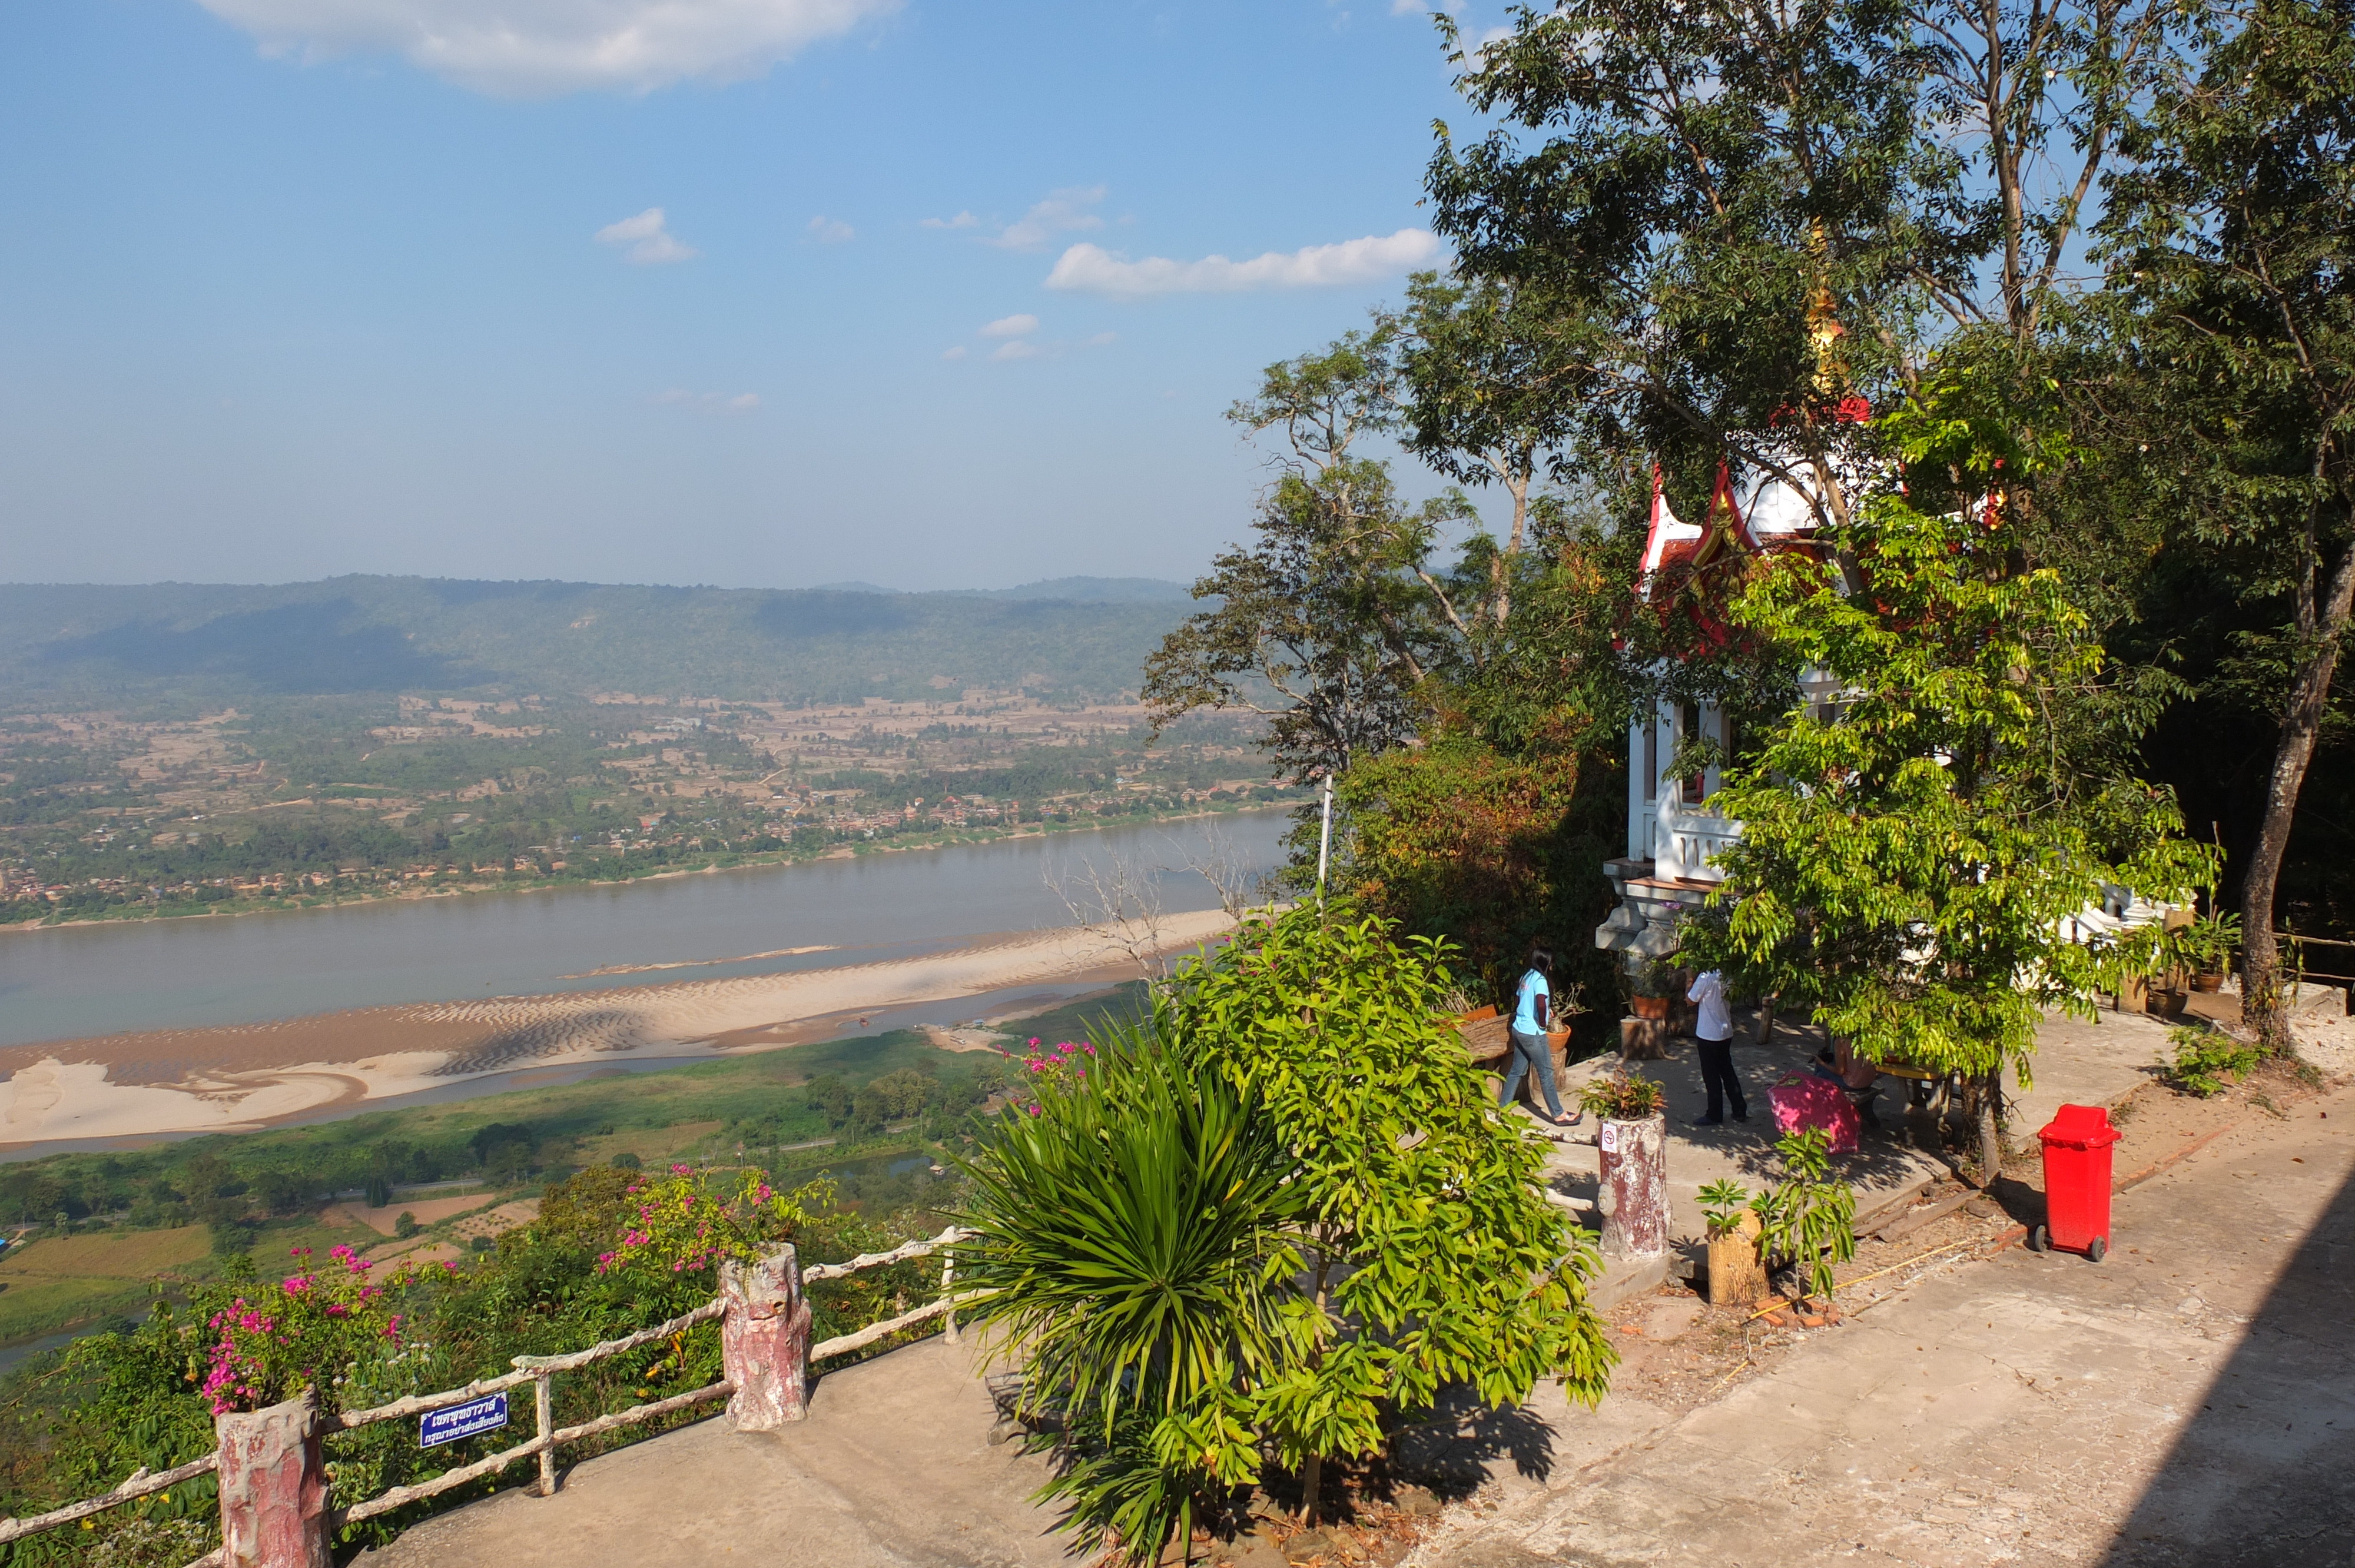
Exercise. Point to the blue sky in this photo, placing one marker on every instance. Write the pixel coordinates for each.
(916, 294)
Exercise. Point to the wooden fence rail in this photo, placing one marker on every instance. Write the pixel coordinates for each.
(273, 1481)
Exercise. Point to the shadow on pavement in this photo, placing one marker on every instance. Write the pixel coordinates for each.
(2263, 1476)
(1450, 1452)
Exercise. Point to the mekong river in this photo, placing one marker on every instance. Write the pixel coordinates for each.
(75, 981)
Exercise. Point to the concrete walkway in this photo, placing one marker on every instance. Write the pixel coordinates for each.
(2189, 1401)
(891, 1471)
(1956, 1424)
(2100, 1062)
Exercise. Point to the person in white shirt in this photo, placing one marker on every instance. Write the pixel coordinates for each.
(1713, 1028)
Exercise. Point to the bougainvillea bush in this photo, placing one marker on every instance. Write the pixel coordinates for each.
(1047, 1069)
(312, 1330)
(611, 1250)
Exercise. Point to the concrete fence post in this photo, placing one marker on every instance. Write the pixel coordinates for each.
(273, 1487)
(1635, 1189)
(765, 1341)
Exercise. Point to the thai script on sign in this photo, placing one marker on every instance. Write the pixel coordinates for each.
(471, 1419)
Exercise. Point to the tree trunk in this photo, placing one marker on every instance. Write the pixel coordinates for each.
(2309, 696)
(1991, 1120)
(1312, 1474)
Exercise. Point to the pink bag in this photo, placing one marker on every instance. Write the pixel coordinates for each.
(1811, 1101)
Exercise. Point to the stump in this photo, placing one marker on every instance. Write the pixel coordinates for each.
(1737, 1277)
(1635, 1189)
(1643, 1039)
(764, 1340)
(273, 1487)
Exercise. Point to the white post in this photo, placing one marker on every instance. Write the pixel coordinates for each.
(948, 1288)
(543, 1409)
(1325, 840)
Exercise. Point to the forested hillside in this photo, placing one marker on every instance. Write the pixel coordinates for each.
(78, 646)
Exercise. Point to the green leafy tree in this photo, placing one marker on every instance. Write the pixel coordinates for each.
(1910, 863)
(2231, 242)
(1491, 370)
(1287, 1213)
(1432, 1256)
(1323, 624)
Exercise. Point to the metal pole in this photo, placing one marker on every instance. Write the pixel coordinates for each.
(1325, 840)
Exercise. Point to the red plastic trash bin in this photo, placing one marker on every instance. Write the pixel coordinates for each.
(2077, 1143)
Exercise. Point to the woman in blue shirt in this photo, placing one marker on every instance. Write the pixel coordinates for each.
(1532, 1015)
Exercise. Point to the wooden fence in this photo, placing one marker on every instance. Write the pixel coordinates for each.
(275, 1505)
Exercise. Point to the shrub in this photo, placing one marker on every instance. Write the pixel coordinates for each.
(1134, 1226)
(1278, 1221)
(273, 1341)
(1723, 1203)
(688, 1222)
(406, 1225)
(1806, 1219)
(1622, 1096)
(2208, 1061)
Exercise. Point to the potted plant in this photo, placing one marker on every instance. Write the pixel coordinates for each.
(1654, 990)
(2206, 947)
(1735, 1274)
(1632, 1144)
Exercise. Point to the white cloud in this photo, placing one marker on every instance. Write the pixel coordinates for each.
(537, 48)
(1062, 211)
(1011, 326)
(961, 220)
(709, 402)
(957, 352)
(1101, 338)
(648, 237)
(1092, 268)
(1017, 349)
(830, 230)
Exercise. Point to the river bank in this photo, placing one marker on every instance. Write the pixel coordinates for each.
(239, 1076)
(530, 882)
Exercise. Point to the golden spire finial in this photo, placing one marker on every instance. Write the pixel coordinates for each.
(1824, 330)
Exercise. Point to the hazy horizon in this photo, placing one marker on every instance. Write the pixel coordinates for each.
(744, 293)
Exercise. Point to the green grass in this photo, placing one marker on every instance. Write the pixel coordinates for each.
(1083, 1020)
(61, 1282)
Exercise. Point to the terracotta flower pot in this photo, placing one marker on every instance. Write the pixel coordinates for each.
(1655, 1008)
(2207, 983)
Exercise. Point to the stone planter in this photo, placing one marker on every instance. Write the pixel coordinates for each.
(273, 1487)
(1633, 1193)
(1736, 1276)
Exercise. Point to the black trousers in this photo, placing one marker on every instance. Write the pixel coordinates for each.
(1717, 1074)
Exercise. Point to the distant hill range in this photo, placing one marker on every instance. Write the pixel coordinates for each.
(94, 645)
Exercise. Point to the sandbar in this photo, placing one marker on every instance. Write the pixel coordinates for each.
(236, 1078)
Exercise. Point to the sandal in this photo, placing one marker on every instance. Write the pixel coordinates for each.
(1571, 1120)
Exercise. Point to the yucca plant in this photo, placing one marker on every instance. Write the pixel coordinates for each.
(1134, 1234)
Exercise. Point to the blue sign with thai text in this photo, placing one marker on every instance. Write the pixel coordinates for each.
(471, 1419)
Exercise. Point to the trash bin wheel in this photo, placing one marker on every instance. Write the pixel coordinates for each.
(2100, 1249)
(2039, 1240)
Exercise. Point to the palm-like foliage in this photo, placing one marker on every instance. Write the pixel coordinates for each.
(1134, 1236)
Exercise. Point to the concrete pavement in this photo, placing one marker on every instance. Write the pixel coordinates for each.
(2100, 1062)
(2190, 1401)
(891, 1471)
